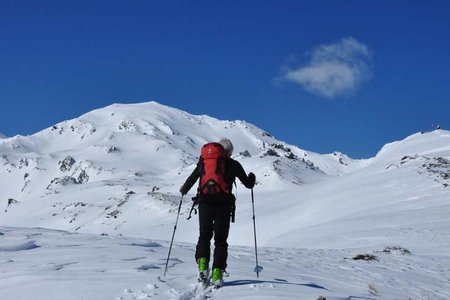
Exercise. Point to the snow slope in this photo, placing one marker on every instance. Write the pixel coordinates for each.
(48, 264)
(116, 171)
(400, 195)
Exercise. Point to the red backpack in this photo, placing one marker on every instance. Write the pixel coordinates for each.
(212, 170)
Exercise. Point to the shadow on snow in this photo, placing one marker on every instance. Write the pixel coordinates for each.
(276, 281)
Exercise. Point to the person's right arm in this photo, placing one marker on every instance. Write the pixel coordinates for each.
(195, 175)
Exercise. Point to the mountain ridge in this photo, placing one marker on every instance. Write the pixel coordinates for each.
(117, 169)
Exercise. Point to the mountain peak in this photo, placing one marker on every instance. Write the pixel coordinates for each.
(420, 143)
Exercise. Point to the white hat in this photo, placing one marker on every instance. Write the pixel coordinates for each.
(227, 145)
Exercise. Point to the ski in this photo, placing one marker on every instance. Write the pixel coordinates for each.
(203, 279)
(205, 290)
(205, 283)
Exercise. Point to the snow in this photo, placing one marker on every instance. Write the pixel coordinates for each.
(80, 266)
(90, 204)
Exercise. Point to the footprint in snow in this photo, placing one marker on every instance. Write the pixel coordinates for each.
(147, 292)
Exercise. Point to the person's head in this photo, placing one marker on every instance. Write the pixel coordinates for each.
(227, 145)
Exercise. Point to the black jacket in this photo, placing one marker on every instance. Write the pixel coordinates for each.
(233, 169)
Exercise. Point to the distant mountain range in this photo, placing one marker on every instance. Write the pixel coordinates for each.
(117, 170)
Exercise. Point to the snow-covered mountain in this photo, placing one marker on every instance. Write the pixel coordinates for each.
(98, 172)
(117, 171)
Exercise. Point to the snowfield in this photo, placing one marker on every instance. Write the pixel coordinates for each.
(49, 264)
(89, 205)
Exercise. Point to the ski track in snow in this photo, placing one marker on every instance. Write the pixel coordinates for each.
(77, 266)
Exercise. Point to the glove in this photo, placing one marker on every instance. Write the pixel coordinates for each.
(183, 190)
(252, 179)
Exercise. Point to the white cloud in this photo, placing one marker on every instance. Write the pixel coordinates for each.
(333, 69)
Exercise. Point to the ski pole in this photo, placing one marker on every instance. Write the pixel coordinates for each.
(257, 268)
(173, 235)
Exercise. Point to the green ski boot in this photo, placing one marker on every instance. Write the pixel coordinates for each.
(203, 270)
(216, 277)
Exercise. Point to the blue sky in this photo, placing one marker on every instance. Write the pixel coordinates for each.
(348, 76)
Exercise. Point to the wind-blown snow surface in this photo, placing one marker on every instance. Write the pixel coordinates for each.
(48, 264)
(117, 171)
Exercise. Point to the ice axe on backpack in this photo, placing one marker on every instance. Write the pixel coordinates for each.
(258, 268)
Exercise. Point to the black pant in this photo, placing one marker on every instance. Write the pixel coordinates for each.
(214, 218)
